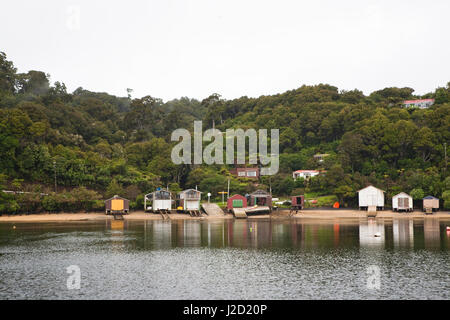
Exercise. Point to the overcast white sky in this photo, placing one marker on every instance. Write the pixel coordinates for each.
(174, 48)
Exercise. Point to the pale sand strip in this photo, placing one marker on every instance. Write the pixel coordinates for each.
(141, 215)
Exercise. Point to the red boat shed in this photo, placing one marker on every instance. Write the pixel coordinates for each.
(236, 201)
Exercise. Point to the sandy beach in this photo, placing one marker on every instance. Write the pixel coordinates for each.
(281, 214)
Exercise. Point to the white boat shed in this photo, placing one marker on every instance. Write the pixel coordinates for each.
(402, 202)
(371, 196)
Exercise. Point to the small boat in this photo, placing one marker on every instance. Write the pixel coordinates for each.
(378, 234)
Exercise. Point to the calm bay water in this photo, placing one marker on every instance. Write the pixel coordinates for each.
(233, 259)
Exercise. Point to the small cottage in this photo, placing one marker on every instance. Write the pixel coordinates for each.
(260, 198)
(430, 203)
(236, 201)
(251, 173)
(189, 199)
(371, 196)
(158, 200)
(117, 205)
(305, 174)
(402, 202)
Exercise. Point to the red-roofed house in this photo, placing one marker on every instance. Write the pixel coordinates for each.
(421, 103)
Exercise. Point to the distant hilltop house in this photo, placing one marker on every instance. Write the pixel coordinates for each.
(421, 103)
(321, 156)
(252, 173)
(305, 174)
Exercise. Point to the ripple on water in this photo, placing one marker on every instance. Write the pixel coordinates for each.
(120, 265)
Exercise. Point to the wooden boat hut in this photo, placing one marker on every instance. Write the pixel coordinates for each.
(189, 199)
(117, 205)
(371, 196)
(430, 204)
(236, 201)
(157, 201)
(402, 202)
(297, 202)
(261, 198)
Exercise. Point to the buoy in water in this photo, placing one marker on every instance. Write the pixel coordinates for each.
(448, 228)
(14, 227)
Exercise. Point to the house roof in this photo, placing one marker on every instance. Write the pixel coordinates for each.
(418, 101)
(369, 187)
(430, 197)
(300, 171)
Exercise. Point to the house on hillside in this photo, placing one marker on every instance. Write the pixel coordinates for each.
(320, 156)
(420, 103)
(252, 173)
(305, 174)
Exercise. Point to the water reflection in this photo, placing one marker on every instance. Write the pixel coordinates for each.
(403, 232)
(231, 259)
(293, 233)
(371, 233)
(431, 232)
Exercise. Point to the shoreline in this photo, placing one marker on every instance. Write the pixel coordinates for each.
(282, 214)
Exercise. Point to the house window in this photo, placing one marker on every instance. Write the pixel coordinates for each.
(241, 173)
(251, 174)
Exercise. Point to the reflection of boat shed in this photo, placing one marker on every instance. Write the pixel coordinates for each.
(158, 200)
(430, 203)
(402, 202)
(236, 201)
(117, 205)
(189, 199)
(260, 198)
(371, 196)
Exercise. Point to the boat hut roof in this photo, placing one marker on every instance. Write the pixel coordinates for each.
(260, 193)
(430, 197)
(237, 196)
(162, 191)
(190, 190)
(402, 194)
(116, 197)
(372, 187)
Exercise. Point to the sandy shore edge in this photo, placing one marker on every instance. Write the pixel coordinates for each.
(141, 215)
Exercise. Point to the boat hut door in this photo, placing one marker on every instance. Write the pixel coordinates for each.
(372, 200)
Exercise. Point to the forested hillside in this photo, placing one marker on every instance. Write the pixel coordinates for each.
(98, 145)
